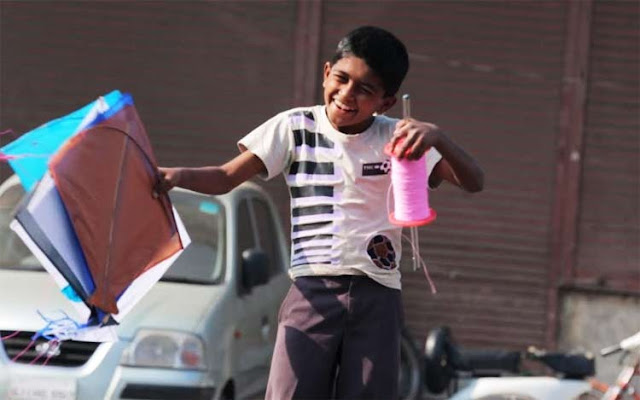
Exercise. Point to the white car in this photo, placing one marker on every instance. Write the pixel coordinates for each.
(205, 331)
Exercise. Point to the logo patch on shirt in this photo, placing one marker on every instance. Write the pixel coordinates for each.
(381, 252)
(379, 168)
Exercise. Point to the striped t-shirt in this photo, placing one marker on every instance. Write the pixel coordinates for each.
(339, 187)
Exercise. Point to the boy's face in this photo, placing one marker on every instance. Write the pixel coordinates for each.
(352, 93)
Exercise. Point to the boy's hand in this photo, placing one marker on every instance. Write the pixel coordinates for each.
(168, 178)
(413, 138)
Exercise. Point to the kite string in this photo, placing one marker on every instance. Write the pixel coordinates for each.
(7, 157)
(414, 241)
(55, 331)
(50, 354)
(50, 350)
(420, 260)
(14, 359)
(17, 356)
(9, 336)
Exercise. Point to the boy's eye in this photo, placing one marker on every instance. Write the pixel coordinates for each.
(366, 90)
(341, 78)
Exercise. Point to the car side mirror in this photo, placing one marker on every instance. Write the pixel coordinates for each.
(255, 268)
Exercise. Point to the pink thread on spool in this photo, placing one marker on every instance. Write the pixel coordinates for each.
(410, 191)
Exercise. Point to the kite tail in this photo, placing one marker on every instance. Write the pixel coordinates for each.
(55, 331)
(63, 328)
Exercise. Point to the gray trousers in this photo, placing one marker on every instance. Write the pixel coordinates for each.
(338, 338)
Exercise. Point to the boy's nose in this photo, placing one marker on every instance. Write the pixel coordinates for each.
(347, 90)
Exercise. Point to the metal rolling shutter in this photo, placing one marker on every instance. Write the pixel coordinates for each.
(489, 73)
(608, 251)
(202, 74)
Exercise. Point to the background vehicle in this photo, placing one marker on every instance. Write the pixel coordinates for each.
(206, 330)
(497, 375)
(627, 385)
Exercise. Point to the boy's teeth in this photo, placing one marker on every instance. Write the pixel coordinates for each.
(342, 106)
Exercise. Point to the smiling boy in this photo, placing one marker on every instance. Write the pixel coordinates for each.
(339, 326)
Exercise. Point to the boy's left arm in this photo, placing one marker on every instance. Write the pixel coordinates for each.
(456, 165)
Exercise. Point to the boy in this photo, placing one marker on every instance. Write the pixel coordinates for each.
(339, 325)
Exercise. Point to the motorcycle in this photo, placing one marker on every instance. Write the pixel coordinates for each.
(498, 375)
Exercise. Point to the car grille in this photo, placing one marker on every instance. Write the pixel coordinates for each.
(71, 353)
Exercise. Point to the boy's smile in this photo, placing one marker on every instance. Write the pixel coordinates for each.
(352, 94)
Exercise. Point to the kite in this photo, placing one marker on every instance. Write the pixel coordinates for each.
(92, 218)
(28, 155)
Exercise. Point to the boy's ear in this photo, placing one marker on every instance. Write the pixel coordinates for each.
(327, 71)
(387, 103)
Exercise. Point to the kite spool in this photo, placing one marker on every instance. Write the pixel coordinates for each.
(409, 182)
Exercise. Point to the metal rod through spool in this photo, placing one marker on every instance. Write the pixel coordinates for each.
(406, 106)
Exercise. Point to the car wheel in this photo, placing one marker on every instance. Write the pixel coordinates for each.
(410, 374)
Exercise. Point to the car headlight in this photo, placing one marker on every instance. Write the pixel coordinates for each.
(165, 349)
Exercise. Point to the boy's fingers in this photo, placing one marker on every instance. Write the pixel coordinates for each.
(403, 149)
(417, 150)
(162, 184)
(399, 137)
(158, 188)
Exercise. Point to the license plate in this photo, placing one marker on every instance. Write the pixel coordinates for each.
(41, 389)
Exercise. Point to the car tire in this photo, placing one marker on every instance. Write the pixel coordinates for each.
(410, 385)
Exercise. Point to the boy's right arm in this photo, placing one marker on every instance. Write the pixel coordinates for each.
(212, 179)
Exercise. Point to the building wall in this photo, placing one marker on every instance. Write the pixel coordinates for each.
(608, 226)
(543, 94)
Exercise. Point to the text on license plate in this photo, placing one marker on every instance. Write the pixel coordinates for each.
(41, 389)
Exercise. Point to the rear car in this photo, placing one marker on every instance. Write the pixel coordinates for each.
(205, 331)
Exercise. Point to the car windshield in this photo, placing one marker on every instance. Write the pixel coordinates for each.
(13, 253)
(202, 262)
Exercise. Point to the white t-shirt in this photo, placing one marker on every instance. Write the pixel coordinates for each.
(338, 185)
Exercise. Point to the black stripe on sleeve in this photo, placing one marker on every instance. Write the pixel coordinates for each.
(309, 115)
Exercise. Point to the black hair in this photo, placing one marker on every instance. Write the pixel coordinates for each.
(385, 54)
